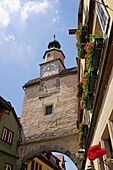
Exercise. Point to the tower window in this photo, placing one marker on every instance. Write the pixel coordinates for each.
(49, 109)
(48, 55)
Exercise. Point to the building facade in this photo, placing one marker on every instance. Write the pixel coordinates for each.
(49, 111)
(95, 104)
(45, 161)
(9, 135)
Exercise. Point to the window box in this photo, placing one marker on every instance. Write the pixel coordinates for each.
(84, 35)
(98, 50)
(90, 99)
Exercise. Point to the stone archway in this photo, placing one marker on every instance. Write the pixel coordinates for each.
(63, 145)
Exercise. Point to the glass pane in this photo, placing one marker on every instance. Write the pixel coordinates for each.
(32, 165)
(48, 110)
(36, 168)
(40, 167)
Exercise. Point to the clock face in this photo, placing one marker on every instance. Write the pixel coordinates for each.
(49, 69)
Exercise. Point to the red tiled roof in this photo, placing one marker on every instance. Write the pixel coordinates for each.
(61, 158)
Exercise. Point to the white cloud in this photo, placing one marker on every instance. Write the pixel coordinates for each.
(12, 5)
(56, 17)
(4, 37)
(8, 8)
(34, 7)
(4, 17)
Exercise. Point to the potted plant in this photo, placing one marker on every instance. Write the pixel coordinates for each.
(95, 152)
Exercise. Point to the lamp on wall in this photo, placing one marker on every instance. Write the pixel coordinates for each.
(81, 154)
(89, 167)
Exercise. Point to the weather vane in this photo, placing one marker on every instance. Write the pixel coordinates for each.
(54, 36)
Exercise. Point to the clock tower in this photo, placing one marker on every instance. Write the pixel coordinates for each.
(49, 109)
(53, 60)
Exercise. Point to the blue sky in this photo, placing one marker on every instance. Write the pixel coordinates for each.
(26, 27)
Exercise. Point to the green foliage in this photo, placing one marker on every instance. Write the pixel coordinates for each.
(79, 38)
(79, 93)
(80, 135)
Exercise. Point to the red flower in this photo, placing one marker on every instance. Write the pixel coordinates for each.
(95, 31)
(95, 152)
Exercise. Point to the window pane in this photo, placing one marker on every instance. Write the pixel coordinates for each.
(8, 167)
(40, 167)
(4, 135)
(32, 165)
(10, 137)
(48, 110)
(36, 168)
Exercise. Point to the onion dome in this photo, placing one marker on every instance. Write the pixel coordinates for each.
(54, 44)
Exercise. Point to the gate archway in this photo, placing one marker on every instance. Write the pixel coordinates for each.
(64, 145)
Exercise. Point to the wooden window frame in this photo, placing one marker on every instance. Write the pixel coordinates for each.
(100, 5)
(7, 135)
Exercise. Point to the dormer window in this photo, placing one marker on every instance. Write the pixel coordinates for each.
(48, 55)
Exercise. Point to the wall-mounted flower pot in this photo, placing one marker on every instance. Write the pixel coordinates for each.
(83, 51)
(90, 99)
(84, 34)
(98, 51)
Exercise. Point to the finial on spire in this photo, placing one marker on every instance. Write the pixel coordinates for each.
(54, 36)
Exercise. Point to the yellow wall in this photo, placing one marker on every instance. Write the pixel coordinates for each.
(44, 166)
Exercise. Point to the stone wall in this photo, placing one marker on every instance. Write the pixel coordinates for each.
(60, 92)
(58, 130)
